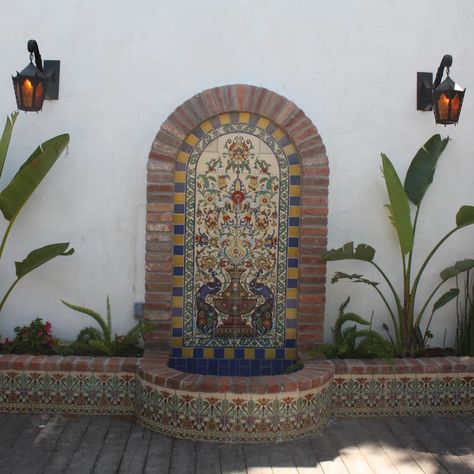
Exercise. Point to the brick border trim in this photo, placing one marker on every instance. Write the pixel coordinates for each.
(159, 216)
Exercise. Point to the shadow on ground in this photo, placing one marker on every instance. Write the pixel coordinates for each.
(56, 443)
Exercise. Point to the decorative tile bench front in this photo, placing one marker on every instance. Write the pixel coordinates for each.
(233, 409)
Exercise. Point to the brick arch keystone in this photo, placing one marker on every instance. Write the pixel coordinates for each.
(160, 188)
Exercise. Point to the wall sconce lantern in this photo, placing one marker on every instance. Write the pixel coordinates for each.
(444, 98)
(35, 83)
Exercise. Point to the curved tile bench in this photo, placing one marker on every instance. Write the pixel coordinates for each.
(234, 409)
(238, 409)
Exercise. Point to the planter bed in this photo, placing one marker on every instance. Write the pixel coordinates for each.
(234, 409)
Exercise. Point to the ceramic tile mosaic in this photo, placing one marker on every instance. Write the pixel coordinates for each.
(231, 417)
(67, 392)
(398, 394)
(236, 241)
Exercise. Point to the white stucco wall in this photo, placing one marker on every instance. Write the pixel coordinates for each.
(351, 66)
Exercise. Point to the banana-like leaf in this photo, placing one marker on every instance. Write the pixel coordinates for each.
(89, 312)
(399, 208)
(459, 267)
(30, 175)
(346, 252)
(445, 298)
(422, 168)
(355, 277)
(5, 140)
(465, 216)
(40, 256)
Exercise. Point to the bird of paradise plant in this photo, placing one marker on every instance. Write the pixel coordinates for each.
(16, 193)
(405, 315)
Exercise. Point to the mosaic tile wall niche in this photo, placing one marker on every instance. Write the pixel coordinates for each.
(235, 245)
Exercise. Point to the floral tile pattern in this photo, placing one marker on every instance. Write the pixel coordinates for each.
(410, 394)
(231, 417)
(68, 392)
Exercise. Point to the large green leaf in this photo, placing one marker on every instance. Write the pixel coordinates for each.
(399, 208)
(30, 175)
(445, 298)
(422, 168)
(40, 256)
(465, 216)
(5, 140)
(459, 267)
(346, 252)
(89, 312)
(355, 277)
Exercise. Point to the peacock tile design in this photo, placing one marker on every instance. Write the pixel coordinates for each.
(236, 242)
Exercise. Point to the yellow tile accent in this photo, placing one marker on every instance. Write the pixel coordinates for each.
(291, 333)
(176, 342)
(178, 260)
(295, 211)
(229, 353)
(292, 272)
(293, 252)
(191, 139)
(289, 149)
(293, 232)
(294, 169)
(179, 198)
(224, 119)
(178, 280)
(182, 157)
(295, 190)
(270, 353)
(244, 117)
(177, 301)
(249, 353)
(291, 313)
(178, 219)
(178, 239)
(180, 177)
(187, 352)
(263, 122)
(206, 126)
(278, 134)
(292, 292)
(176, 322)
(290, 353)
(208, 353)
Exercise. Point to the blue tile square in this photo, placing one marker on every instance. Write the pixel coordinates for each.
(255, 367)
(291, 323)
(223, 363)
(295, 200)
(186, 147)
(178, 271)
(198, 132)
(293, 242)
(178, 291)
(198, 352)
(179, 187)
(244, 371)
(244, 363)
(239, 353)
(293, 159)
(291, 303)
(276, 366)
(177, 311)
(178, 250)
(176, 352)
(179, 208)
(280, 353)
(265, 371)
(180, 166)
(295, 180)
(179, 229)
(294, 221)
(219, 352)
(260, 353)
(290, 343)
(191, 365)
(212, 366)
(291, 283)
(284, 141)
(293, 262)
(223, 371)
(177, 332)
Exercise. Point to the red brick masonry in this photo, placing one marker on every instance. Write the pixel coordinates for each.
(314, 374)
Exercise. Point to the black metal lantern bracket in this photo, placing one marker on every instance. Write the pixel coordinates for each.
(425, 85)
(50, 68)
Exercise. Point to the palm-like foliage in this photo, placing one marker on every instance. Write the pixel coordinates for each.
(18, 191)
(405, 318)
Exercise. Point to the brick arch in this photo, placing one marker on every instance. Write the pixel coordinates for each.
(160, 189)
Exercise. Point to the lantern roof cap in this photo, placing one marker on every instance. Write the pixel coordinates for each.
(449, 85)
(31, 70)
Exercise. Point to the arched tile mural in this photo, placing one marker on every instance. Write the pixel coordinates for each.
(234, 280)
(236, 241)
